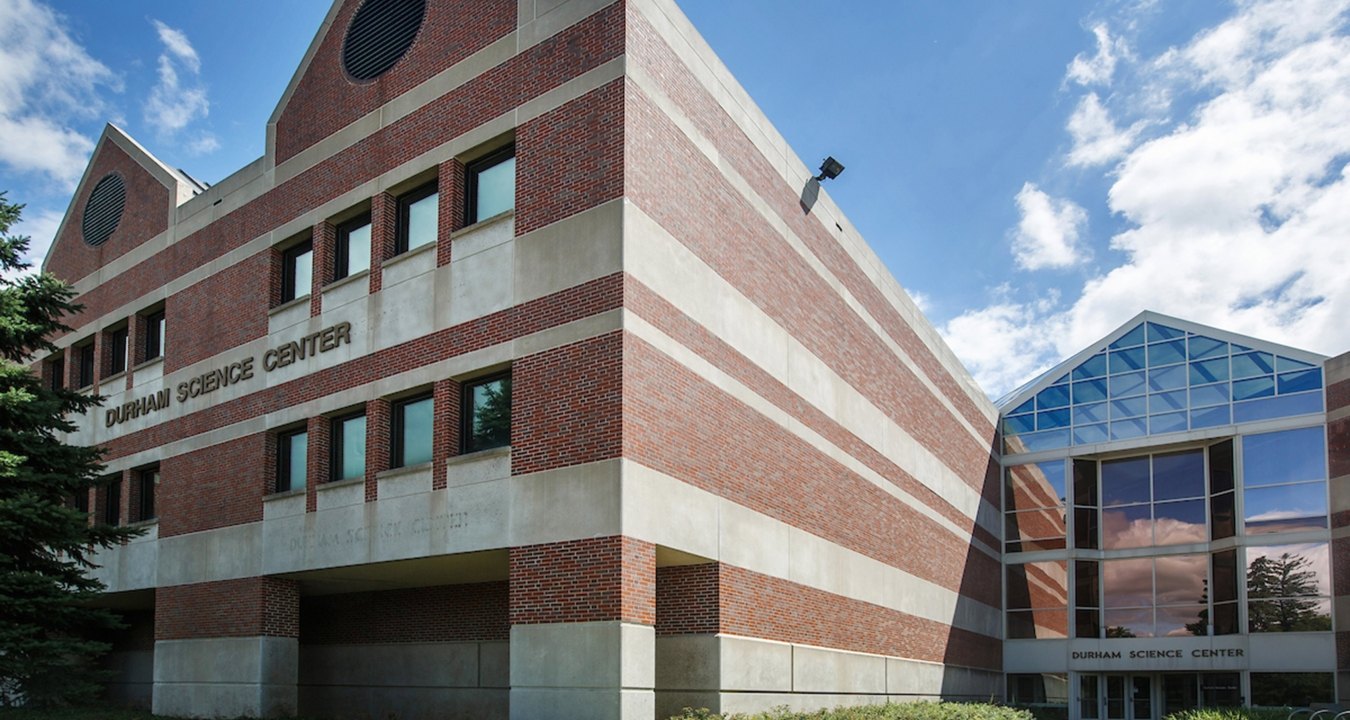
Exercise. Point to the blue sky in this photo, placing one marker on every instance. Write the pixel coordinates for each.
(1035, 172)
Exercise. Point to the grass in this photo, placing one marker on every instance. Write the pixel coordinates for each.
(889, 711)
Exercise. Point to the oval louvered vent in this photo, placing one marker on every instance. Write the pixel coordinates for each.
(380, 33)
(103, 210)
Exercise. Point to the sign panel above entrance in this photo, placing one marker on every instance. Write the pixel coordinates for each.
(1151, 654)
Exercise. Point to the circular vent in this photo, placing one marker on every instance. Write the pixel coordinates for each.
(380, 33)
(103, 210)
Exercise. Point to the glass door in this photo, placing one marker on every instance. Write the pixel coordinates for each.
(1128, 697)
(1141, 697)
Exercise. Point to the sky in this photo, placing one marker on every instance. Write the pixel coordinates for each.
(1034, 173)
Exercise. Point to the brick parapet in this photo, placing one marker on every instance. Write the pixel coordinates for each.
(247, 607)
(605, 578)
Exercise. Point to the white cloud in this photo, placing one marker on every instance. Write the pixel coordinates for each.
(40, 227)
(1098, 69)
(49, 83)
(1047, 234)
(1096, 139)
(179, 98)
(1237, 215)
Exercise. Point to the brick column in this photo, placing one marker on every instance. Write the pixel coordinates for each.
(318, 439)
(383, 219)
(227, 648)
(71, 372)
(450, 211)
(377, 444)
(593, 602)
(136, 328)
(325, 246)
(445, 429)
(128, 489)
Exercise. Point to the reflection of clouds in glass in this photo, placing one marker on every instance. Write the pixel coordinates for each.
(1172, 621)
(1318, 555)
(1288, 507)
(1127, 527)
(1180, 523)
(1127, 583)
(1181, 578)
(1285, 456)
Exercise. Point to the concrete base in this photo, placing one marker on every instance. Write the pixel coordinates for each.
(409, 681)
(226, 677)
(133, 679)
(583, 671)
(731, 674)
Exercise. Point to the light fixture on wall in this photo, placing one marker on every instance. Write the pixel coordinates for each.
(829, 169)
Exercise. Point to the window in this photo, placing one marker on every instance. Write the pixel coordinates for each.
(1038, 599)
(117, 362)
(147, 479)
(154, 335)
(487, 413)
(352, 253)
(297, 269)
(292, 451)
(112, 503)
(85, 354)
(1289, 588)
(1033, 498)
(1284, 481)
(57, 367)
(1292, 689)
(80, 500)
(490, 187)
(411, 423)
(417, 218)
(349, 447)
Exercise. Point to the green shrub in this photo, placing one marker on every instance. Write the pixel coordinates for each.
(1231, 714)
(890, 711)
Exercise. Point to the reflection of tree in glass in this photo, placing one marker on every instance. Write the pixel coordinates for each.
(1281, 592)
(1201, 624)
(492, 414)
(1119, 631)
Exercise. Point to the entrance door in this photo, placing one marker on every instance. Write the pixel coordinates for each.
(1129, 697)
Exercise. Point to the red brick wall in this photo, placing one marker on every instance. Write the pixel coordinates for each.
(687, 599)
(550, 311)
(566, 405)
(444, 613)
(214, 487)
(606, 578)
(570, 159)
(760, 606)
(579, 48)
(145, 215)
(682, 425)
(327, 100)
(647, 50)
(221, 312)
(228, 608)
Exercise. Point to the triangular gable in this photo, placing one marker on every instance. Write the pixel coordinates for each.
(1158, 374)
(150, 193)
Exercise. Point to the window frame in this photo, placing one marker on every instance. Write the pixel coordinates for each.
(145, 506)
(119, 362)
(466, 412)
(471, 172)
(111, 512)
(57, 368)
(87, 362)
(397, 426)
(283, 466)
(153, 342)
(289, 291)
(341, 246)
(405, 203)
(335, 444)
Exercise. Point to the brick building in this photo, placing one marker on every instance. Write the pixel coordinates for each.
(528, 374)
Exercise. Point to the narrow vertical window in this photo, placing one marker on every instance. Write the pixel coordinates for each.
(87, 360)
(292, 450)
(118, 359)
(154, 335)
(147, 480)
(297, 269)
(349, 447)
(352, 253)
(487, 413)
(411, 425)
(490, 187)
(112, 503)
(417, 218)
(57, 379)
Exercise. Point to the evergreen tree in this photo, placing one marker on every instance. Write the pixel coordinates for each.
(1282, 595)
(46, 617)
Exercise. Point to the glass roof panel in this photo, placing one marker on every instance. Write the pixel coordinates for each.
(1133, 337)
(1094, 366)
(1162, 332)
(1202, 347)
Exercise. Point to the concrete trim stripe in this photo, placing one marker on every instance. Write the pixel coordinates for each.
(652, 335)
(672, 271)
(748, 193)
